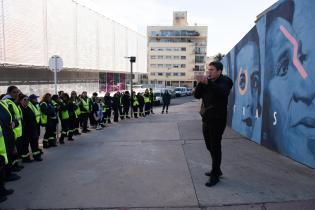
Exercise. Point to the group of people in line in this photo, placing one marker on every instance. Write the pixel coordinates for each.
(22, 116)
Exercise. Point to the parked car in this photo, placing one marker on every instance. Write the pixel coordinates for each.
(181, 91)
(189, 91)
(157, 96)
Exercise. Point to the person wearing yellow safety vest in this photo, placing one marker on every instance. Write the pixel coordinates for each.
(135, 104)
(75, 100)
(141, 104)
(11, 100)
(85, 110)
(103, 121)
(147, 103)
(66, 112)
(49, 121)
(31, 120)
(7, 124)
(3, 162)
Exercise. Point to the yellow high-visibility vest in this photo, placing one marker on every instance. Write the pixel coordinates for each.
(3, 151)
(36, 112)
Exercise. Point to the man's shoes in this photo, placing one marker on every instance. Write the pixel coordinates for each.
(166, 112)
(210, 173)
(162, 112)
(5, 192)
(212, 181)
(70, 139)
(12, 177)
(61, 141)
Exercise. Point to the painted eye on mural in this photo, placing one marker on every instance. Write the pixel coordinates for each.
(255, 80)
(242, 82)
(283, 67)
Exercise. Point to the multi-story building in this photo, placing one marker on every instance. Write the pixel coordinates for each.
(177, 53)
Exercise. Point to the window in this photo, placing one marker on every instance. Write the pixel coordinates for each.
(168, 74)
(160, 65)
(183, 57)
(168, 57)
(176, 49)
(160, 49)
(183, 74)
(183, 65)
(168, 49)
(152, 73)
(199, 59)
(152, 49)
(175, 74)
(176, 57)
(168, 66)
(153, 65)
(183, 49)
(160, 74)
(153, 57)
(176, 66)
(160, 57)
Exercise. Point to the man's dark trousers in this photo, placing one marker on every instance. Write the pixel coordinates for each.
(212, 131)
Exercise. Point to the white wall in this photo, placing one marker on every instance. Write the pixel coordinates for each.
(34, 30)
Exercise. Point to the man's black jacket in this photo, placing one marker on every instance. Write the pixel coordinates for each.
(214, 97)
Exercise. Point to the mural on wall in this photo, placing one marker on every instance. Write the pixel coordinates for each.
(289, 108)
(274, 77)
(247, 91)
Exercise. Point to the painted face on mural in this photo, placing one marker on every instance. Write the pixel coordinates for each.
(291, 90)
(247, 89)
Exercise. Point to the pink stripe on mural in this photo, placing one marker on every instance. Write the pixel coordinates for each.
(296, 61)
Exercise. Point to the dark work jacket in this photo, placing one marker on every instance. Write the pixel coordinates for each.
(126, 100)
(29, 124)
(140, 100)
(214, 97)
(166, 97)
(108, 101)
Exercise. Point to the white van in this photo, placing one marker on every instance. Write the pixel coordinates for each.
(180, 91)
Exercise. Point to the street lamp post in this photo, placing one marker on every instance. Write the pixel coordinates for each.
(132, 59)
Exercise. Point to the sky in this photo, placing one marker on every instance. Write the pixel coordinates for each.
(227, 20)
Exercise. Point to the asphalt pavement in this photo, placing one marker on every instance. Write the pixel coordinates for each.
(158, 162)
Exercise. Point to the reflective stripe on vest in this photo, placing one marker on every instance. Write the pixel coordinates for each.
(3, 150)
(35, 111)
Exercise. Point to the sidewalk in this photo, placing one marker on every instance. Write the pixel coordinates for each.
(159, 163)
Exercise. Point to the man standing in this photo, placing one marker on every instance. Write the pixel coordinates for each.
(214, 90)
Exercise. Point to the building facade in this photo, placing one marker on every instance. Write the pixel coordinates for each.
(92, 46)
(177, 53)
